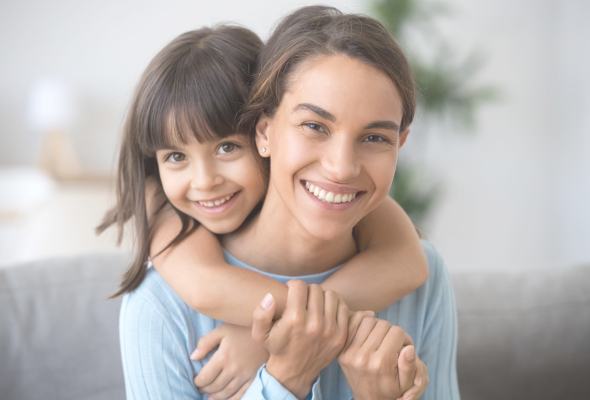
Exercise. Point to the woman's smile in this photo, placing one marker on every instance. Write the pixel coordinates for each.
(333, 142)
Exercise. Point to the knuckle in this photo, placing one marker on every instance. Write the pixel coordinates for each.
(396, 330)
(314, 327)
(359, 361)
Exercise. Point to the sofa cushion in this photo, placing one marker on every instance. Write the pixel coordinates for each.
(59, 330)
(524, 335)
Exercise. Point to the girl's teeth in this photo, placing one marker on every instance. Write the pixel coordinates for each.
(215, 203)
(329, 197)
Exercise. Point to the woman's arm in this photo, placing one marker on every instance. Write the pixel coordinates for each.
(390, 263)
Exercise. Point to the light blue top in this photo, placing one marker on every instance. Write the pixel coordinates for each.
(158, 332)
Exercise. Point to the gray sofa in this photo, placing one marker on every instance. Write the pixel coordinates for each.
(522, 336)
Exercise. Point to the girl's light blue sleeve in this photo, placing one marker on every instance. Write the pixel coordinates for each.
(439, 340)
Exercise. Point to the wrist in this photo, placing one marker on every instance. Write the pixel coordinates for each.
(297, 383)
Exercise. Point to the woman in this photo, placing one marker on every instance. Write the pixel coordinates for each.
(331, 107)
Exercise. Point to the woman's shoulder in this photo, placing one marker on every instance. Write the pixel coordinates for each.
(153, 299)
(437, 288)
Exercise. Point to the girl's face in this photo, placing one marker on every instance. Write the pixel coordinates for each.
(218, 183)
(334, 142)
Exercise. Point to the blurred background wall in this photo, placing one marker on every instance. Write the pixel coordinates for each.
(515, 193)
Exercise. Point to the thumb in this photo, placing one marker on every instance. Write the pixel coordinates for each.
(407, 367)
(262, 318)
(207, 343)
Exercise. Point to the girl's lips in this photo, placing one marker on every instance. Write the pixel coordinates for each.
(219, 205)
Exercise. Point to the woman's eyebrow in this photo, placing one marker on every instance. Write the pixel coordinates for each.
(315, 109)
(383, 125)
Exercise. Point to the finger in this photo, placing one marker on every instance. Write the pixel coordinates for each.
(376, 336)
(407, 367)
(315, 306)
(296, 299)
(420, 383)
(342, 317)
(262, 318)
(218, 384)
(207, 344)
(354, 323)
(240, 393)
(226, 391)
(331, 305)
(209, 372)
(362, 333)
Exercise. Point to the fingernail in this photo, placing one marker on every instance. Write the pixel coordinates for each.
(410, 354)
(267, 301)
(196, 354)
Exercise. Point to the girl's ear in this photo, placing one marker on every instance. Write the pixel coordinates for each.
(262, 136)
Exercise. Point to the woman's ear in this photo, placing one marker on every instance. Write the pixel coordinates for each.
(262, 136)
(403, 136)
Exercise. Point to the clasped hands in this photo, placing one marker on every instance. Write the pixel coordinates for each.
(377, 358)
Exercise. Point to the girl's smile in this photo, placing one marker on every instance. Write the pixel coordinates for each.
(217, 182)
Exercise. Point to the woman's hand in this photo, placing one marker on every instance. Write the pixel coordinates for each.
(379, 361)
(309, 335)
(233, 366)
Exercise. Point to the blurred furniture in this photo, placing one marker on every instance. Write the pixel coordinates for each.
(41, 217)
(522, 335)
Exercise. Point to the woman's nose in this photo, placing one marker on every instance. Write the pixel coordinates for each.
(340, 161)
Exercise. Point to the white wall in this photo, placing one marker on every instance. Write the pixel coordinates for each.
(517, 190)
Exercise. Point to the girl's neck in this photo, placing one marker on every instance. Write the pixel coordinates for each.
(275, 242)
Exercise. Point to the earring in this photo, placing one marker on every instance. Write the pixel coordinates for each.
(263, 150)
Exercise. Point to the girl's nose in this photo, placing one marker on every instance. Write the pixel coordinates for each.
(205, 176)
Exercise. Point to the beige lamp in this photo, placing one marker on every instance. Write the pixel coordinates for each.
(51, 112)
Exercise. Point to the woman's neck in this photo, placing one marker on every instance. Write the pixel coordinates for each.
(275, 242)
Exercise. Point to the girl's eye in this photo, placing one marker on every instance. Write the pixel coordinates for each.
(175, 157)
(227, 147)
(376, 139)
(314, 127)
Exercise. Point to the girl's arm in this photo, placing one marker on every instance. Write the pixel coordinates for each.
(390, 262)
(390, 265)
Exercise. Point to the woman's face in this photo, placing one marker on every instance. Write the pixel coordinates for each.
(217, 182)
(333, 143)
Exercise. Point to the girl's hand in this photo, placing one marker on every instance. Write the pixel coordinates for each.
(376, 363)
(233, 366)
(309, 335)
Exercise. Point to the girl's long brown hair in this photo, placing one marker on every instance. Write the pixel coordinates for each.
(194, 87)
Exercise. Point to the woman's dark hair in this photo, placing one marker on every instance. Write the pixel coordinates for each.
(318, 30)
(196, 87)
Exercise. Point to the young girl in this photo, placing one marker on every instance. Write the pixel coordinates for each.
(182, 163)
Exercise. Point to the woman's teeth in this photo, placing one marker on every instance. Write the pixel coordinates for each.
(215, 203)
(329, 197)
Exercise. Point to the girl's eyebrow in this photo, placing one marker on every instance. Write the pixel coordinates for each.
(385, 124)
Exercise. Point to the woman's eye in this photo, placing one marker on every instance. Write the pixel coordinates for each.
(227, 147)
(376, 139)
(175, 157)
(314, 127)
